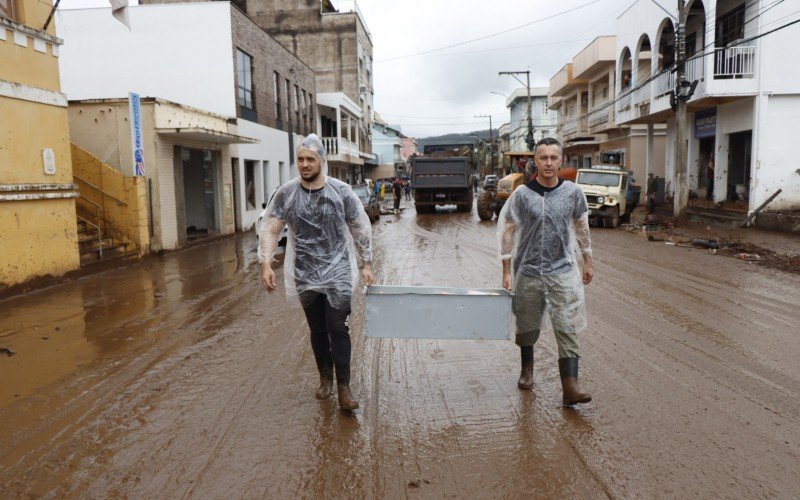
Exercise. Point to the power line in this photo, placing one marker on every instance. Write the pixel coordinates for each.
(655, 75)
(458, 44)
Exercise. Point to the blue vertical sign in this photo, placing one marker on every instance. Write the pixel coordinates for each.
(137, 141)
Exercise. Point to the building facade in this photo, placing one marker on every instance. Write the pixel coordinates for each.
(745, 99)
(333, 39)
(38, 227)
(584, 93)
(212, 58)
(186, 162)
(544, 119)
(387, 145)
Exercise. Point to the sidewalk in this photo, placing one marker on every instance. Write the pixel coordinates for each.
(779, 250)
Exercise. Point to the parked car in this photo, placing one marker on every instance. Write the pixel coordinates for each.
(284, 233)
(490, 182)
(370, 201)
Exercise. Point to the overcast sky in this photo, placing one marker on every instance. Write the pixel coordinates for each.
(440, 92)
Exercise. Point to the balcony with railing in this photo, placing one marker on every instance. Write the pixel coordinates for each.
(624, 111)
(570, 126)
(337, 148)
(600, 117)
(735, 62)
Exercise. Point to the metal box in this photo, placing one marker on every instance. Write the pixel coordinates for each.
(417, 312)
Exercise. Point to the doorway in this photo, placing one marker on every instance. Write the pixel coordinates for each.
(705, 168)
(739, 166)
(200, 192)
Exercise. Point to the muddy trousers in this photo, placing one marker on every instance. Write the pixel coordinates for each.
(566, 306)
(330, 334)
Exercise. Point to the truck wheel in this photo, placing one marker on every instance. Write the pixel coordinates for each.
(613, 220)
(486, 205)
(423, 209)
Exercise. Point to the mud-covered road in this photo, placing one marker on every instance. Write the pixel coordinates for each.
(180, 377)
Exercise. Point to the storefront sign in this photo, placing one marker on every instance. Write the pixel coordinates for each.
(137, 141)
(705, 123)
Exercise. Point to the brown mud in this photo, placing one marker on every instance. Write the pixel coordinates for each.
(181, 377)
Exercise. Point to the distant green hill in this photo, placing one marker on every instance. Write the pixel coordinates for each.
(456, 138)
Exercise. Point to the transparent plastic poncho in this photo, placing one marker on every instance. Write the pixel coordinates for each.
(329, 239)
(541, 234)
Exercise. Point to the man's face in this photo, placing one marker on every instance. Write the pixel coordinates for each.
(309, 165)
(548, 161)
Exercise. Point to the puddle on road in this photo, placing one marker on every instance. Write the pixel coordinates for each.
(55, 332)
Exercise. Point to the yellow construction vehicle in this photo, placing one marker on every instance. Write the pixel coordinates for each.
(490, 203)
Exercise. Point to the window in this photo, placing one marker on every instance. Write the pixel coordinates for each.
(311, 111)
(276, 91)
(288, 98)
(297, 105)
(7, 10)
(730, 26)
(691, 44)
(244, 80)
(304, 107)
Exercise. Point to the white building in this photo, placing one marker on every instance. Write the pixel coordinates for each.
(544, 119)
(583, 92)
(208, 56)
(744, 109)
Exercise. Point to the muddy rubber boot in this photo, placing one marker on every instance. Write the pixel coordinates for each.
(346, 401)
(325, 389)
(572, 395)
(526, 376)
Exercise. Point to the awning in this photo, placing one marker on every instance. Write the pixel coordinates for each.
(205, 135)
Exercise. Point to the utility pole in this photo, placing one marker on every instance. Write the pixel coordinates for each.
(682, 94)
(529, 135)
(491, 141)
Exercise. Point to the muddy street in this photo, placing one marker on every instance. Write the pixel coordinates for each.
(181, 377)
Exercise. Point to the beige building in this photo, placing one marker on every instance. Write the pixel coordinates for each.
(187, 162)
(583, 93)
(38, 230)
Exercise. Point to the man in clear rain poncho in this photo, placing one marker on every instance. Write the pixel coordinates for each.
(330, 239)
(538, 228)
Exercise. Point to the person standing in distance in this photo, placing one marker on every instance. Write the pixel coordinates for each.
(538, 228)
(330, 239)
(397, 193)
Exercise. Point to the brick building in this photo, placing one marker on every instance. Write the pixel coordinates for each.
(333, 39)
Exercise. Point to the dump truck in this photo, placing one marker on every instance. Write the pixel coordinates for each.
(490, 203)
(441, 181)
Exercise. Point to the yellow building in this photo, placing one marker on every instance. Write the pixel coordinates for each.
(38, 229)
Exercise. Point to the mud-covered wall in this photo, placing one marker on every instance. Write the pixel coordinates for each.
(128, 219)
(38, 229)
